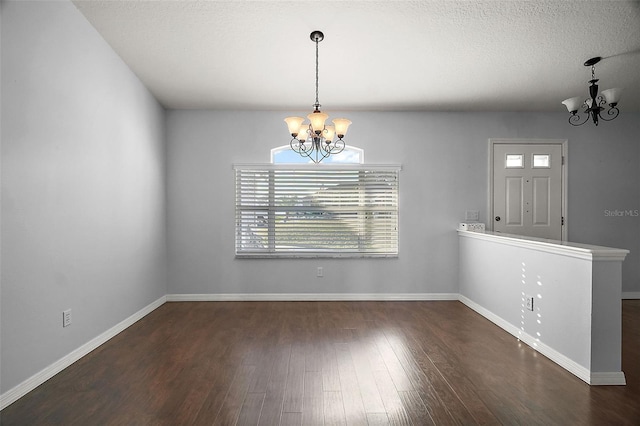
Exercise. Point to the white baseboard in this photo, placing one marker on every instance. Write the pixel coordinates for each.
(312, 297)
(583, 373)
(608, 378)
(18, 391)
(631, 295)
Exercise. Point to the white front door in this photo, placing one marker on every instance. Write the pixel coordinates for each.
(527, 189)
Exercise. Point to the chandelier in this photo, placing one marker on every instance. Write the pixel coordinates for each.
(315, 140)
(595, 104)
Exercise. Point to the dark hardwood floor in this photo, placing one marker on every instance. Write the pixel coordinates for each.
(308, 363)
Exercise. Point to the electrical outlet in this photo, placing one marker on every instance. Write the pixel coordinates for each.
(320, 272)
(66, 318)
(472, 215)
(529, 302)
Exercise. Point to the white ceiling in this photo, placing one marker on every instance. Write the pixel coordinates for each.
(439, 55)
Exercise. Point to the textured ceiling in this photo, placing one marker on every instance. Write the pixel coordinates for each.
(376, 55)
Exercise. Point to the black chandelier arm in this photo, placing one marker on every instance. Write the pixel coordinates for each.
(300, 147)
(321, 154)
(332, 148)
(320, 147)
(612, 113)
(577, 120)
(313, 150)
(318, 151)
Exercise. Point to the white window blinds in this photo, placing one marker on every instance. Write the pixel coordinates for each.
(316, 211)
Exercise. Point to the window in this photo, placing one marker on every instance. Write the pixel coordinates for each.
(541, 161)
(316, 211)
(285, 155)
(515, 161)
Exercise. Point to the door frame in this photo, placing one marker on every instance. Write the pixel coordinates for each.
(515, 141)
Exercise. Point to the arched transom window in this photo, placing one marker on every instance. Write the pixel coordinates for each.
(285, 155)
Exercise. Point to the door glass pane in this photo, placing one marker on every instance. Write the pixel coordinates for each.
(515, 161)
(541, 161)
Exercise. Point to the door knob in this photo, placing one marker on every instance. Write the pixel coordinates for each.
(497, 218)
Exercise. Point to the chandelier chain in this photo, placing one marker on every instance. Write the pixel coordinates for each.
(317, 102)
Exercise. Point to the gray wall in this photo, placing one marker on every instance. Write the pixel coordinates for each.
(83, 194)
(444, 159)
